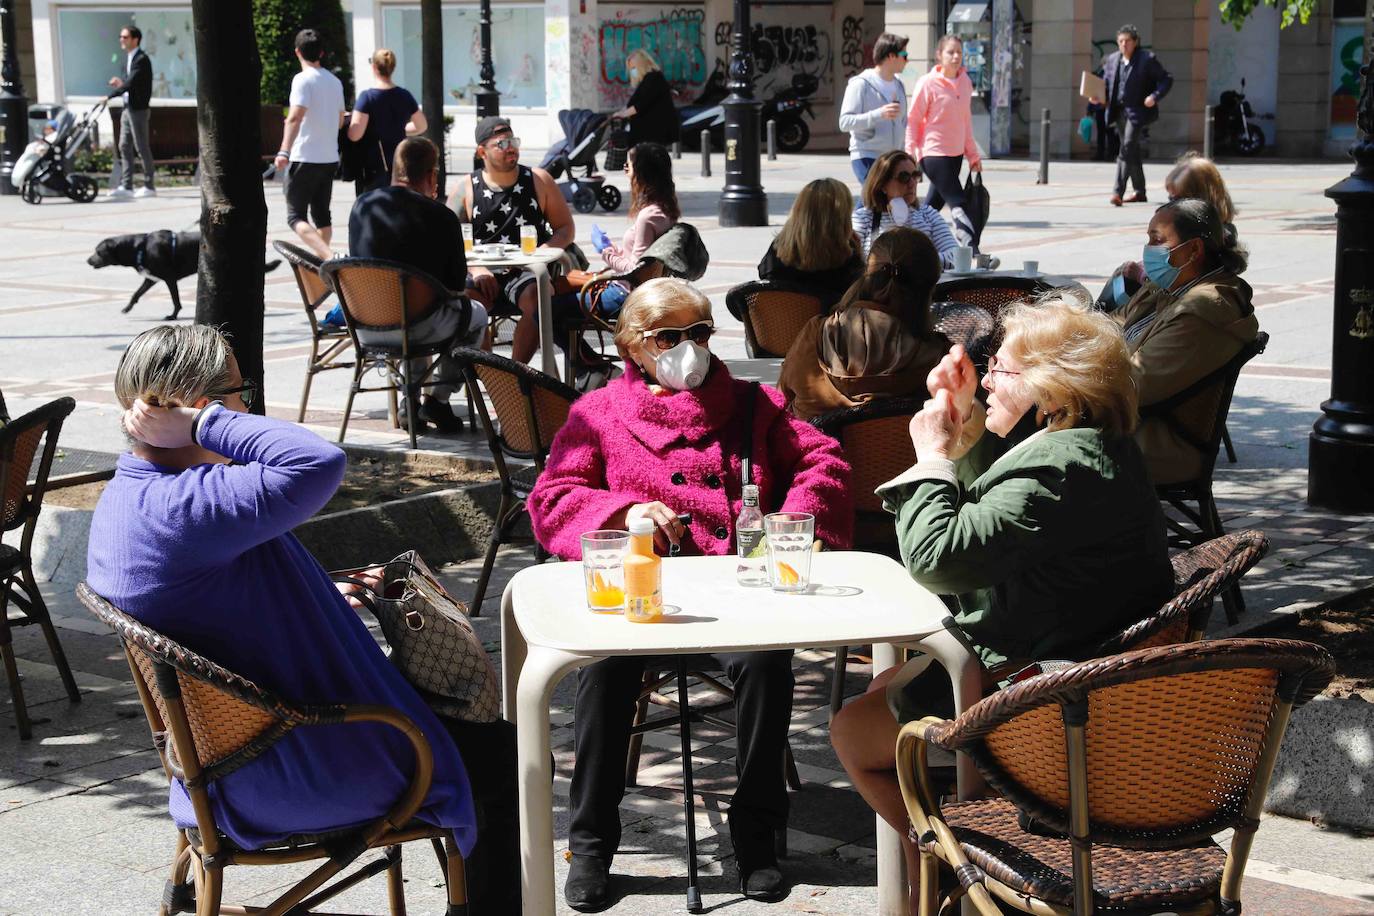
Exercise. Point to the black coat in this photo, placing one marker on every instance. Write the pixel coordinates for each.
(138, 81)
(655, 119)
(1148, 77)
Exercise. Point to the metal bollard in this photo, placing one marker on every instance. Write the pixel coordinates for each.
(772, 126)
(705, 154)
(1207, 115)
(1044, 176)
(677, 149)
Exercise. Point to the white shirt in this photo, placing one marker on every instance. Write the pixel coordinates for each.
(128, 71)
(320, 93)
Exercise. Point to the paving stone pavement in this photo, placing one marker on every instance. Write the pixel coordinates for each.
(83, 826)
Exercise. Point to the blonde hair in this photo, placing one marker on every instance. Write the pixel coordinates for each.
(1195, 176)
(173, 366)
(1074, 358)
(385, 62)
(817, 234)
(647, 305)
(648, 61)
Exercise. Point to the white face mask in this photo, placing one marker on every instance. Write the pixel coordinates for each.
(900, 210)
(683, 367)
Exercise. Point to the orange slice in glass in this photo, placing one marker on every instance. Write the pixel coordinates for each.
(787, 575)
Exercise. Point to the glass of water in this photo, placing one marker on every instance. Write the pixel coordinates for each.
(603, 569)
(790, 536)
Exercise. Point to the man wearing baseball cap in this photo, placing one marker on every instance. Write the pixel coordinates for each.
(499, 199)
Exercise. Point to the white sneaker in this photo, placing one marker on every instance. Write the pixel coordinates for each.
(145, 192)
(120, 194)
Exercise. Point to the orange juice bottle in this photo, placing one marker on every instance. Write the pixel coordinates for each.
(643, 575)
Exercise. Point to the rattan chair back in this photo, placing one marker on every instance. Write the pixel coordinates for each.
(1170, 739)
(972, 326)
(773, 315)
(530, 406)
(20, 440)
(1201, 574)
(305, 266)
(877, 445)
(382, 295)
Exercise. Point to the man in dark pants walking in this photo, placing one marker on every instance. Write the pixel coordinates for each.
(1136, 81)
(136, 85)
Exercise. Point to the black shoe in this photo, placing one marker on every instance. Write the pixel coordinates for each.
(441, 415)
(763, 884)
(588, 888)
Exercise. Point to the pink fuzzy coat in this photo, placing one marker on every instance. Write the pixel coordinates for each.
(624, 445)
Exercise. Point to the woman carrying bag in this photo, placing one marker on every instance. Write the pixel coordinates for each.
(939, 135)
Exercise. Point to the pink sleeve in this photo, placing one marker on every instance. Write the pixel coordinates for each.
(916, 120)
(970, 145)
(572, 495)
(818, 472)
(648, 226)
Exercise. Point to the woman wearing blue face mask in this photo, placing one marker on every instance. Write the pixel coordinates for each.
(650, 112)
(664, 442)
(1193, 315)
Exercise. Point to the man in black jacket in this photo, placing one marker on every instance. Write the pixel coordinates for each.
(136, 85)
(1135, 82)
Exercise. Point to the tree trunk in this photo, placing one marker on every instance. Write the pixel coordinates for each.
(432, 79)
(233, 211)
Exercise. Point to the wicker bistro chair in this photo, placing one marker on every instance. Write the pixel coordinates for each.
(207, 722)
(1197, 415)
(314, 292)
(530, 409)
(990, 293)
(20, 505)
(773, 315)
(1114, 775)
(386, 296)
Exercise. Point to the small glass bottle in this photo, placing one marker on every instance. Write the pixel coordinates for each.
(643, 575)
(750, 546)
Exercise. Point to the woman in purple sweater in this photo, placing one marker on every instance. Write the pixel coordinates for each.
(192, 537)
(666, 438)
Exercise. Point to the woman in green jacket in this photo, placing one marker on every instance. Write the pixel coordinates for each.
(1048, 549)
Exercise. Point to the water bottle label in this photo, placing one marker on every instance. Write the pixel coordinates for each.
(751, 543)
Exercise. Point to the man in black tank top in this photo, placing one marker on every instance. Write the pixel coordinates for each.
(499, 199)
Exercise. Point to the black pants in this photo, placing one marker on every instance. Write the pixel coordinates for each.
(1108, 141)
(1128, 165)
(606, 693)
(493, 868)
(943, 172)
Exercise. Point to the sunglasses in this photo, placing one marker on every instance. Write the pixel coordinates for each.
(506, 143)
(246, 392)
(902, 55)
(907, 177)
(667, 338)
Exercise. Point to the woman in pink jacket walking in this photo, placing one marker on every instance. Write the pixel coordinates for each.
(663, 442)
(939, 132)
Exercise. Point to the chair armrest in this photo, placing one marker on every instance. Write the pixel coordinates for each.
(403, 811)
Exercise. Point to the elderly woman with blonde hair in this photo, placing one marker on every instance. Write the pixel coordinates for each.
(1047, 550)
(664, 442)
(650, 111)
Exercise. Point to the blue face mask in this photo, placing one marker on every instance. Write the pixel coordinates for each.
(1157, 266)
(634, 73)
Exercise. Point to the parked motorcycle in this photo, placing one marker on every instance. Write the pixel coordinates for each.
(785, 106)
(1233, 124)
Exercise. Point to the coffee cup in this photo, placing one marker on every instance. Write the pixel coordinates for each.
(963, 258)
(984, 262)
(1030, 268)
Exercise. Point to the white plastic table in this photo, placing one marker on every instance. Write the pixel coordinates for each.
(764, 369)
(537, 263)
(547, 632)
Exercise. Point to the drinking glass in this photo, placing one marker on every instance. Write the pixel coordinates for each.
(467, 238)
(790, 536)
(529, 239)
(603, 569)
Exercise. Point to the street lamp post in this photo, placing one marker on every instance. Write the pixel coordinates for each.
(1340, 456)
(742, 201)
(14, 116)
(488, 99)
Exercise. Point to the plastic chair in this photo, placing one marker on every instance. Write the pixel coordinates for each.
(531, 408)
(1113, 774)
(208, 721)
(314, 292)
(773, 315)
(20, 505)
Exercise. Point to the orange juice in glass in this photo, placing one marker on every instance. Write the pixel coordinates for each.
(603, 568)
(529, 239)
(467, 238)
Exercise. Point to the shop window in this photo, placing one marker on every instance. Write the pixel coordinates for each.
(517, 40)
(90, 54)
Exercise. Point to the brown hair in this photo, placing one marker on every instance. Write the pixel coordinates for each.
(887, 45)
(1195, 176)
(415, 160)
(948, 39)
(653, 181)
(817, 234)
(384, 61)
(902, 270)
(874, 197)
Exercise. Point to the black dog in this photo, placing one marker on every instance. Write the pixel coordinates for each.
(162, 255)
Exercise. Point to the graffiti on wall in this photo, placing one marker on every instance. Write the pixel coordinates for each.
(674, 38)
(782, 51)
(852, 45)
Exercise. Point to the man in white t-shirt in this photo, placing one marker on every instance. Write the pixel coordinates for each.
(310, 143)
(874, 109)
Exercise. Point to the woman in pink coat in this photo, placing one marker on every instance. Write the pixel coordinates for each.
(663, 439)
(939, 132)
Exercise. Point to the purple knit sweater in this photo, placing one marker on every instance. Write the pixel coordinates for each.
(205, 556)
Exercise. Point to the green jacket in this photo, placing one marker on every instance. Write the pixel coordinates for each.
(1055, 546)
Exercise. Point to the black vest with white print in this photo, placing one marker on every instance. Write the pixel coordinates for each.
(498, 213)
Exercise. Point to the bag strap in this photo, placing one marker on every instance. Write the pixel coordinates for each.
(746, 460)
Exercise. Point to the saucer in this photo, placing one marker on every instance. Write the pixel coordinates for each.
(967, 273)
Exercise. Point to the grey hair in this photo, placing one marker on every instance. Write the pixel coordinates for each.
(1195, 218)
(649, 302)
(1130, 30)
(173, 366)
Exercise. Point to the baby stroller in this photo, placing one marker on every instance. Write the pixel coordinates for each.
(583, 133)
(45, 168)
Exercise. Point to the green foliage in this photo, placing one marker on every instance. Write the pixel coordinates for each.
(1236, 12)
(277, 22)
(99, 159)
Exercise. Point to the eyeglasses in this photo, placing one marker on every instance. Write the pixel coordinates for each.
(907, 177)
(991, 377)
(246, 392)
(667, 338)
(506, 143)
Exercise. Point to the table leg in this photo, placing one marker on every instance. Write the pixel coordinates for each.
(893, 899)
(547, 350)
(513, 651)
(542, 671)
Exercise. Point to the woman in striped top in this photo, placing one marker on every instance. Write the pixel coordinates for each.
(889, 199)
